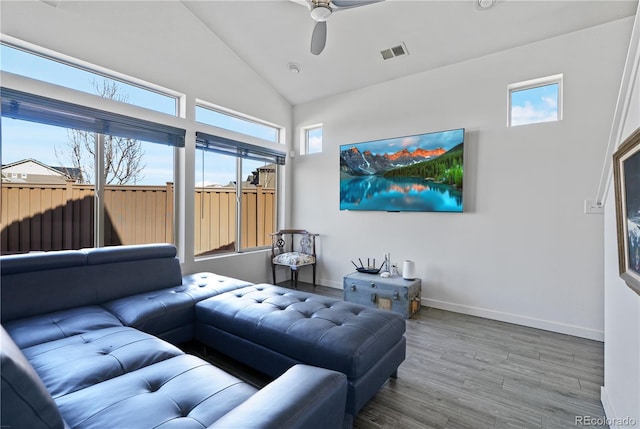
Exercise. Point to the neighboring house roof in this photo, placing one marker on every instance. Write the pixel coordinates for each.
(71, 172)
(34, 171)
(268, 167)
(34, 179)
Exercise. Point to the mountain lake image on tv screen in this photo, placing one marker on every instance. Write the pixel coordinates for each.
(422, 173)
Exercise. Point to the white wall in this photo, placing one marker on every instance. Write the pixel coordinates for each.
(621, 391)
(157, 41)
(523, 251)
(164, 44)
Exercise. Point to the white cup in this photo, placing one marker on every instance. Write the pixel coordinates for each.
(409, 270)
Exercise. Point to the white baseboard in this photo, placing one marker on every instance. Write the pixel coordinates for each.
(613, 419)
(606, 404)
(562, 328)
(547, 325)
(331, 283)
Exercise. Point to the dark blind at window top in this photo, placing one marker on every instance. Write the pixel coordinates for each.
(231, 147)
(35, 108)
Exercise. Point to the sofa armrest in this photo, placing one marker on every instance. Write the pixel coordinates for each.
(26, 403)
(304, 397)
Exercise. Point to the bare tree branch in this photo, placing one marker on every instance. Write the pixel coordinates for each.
(123, 156)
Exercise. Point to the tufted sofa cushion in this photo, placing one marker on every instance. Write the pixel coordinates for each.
(169, 312)
(73, 363)
(60, 324)
(25, 400)
(316, 330)
(181, 392)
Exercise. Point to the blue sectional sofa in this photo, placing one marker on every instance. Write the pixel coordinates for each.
(87, 341)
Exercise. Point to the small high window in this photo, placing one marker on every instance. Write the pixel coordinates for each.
(312, 139)
(534, 101)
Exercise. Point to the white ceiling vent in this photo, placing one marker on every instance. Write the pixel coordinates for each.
(394, 51)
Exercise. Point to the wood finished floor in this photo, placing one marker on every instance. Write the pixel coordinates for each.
(468, 372)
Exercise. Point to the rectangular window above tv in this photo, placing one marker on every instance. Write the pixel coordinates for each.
(535, 101)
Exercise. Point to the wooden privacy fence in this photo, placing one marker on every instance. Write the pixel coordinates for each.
(58, 216)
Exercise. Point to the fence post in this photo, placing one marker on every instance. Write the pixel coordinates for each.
(260, 216)
(67, 215)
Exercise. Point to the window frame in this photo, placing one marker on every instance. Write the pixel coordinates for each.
(184, 119)
(532, 84)
(232, 114)
(97, 104)
(207, 141)
(99, 71)
(305, 131)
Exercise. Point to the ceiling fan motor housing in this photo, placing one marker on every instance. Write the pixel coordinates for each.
(321, 10)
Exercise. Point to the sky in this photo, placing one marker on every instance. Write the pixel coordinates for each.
(314, 145)
(534, 105)
(45, 143)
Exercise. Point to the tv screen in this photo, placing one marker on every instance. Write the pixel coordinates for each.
(421, 173)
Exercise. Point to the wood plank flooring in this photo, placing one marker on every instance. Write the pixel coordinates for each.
(468, 372)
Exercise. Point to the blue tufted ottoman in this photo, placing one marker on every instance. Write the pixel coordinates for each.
(271, 328)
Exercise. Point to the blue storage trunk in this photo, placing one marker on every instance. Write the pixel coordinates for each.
(390, 293)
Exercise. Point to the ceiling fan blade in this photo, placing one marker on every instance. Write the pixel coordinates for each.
(319, 37)
(305, 3)
(341, 4)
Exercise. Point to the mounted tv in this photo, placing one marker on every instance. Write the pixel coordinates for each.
(419, 173)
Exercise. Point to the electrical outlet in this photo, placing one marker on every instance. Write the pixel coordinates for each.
(593, 207)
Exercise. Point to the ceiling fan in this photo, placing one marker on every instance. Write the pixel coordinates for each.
(321, 11)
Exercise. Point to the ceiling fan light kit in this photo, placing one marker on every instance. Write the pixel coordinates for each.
(320, 13)
(485, 4)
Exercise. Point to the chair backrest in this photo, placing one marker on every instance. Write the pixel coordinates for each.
(293, 240)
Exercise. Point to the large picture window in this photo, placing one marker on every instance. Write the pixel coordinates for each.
(100, 173)
(67, 184)
(235, 199)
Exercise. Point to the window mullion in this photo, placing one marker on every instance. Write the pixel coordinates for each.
(238, 203)
(99, 191)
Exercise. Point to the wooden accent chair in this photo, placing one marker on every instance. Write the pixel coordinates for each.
(294, 248)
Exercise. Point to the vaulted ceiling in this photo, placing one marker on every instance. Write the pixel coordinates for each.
(271, 35)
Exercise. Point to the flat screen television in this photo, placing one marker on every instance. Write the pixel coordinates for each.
(419, 173)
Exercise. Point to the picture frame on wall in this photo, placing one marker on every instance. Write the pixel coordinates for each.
(626, 176)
